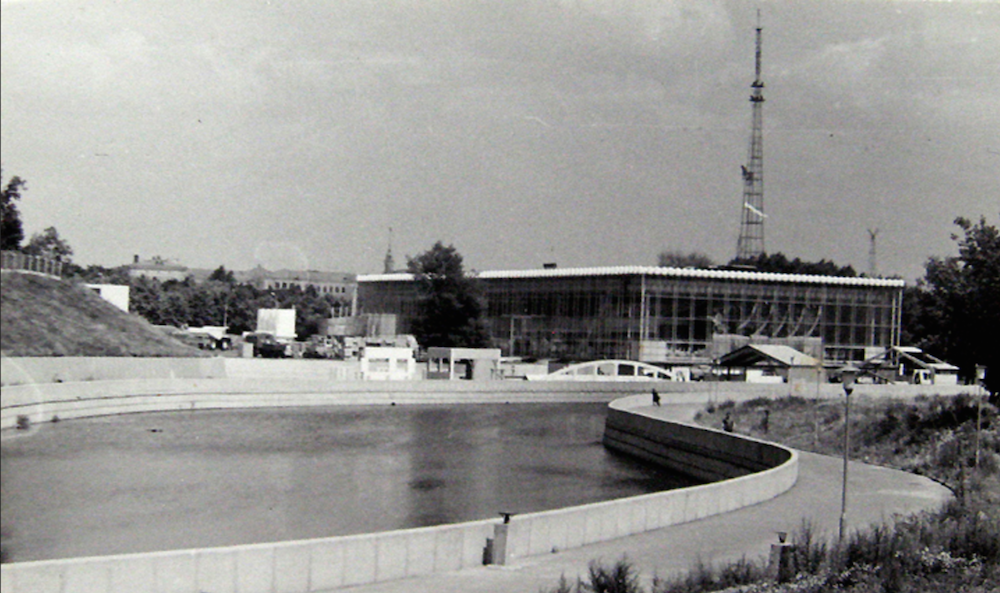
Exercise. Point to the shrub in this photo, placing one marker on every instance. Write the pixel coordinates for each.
(757, 402)
(811, 549)
(620, 578)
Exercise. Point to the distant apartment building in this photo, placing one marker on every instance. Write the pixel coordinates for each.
(157, 268)
(333, 283)
(341, 285)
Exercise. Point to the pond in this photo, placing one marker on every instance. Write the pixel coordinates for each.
(170, 480)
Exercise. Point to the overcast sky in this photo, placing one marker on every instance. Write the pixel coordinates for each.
(585, 132)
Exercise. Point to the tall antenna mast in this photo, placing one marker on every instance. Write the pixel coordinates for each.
(872, 261)
(751, 242)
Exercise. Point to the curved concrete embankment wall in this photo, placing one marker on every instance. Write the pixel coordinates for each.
(709, 455)
(43, 403)
(327, 563)
(748, 471)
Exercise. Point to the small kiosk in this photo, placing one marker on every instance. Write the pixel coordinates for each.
(383, 363)
(473, 364)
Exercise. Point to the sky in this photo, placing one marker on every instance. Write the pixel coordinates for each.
(296, 133)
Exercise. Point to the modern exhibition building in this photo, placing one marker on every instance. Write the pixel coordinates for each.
(668, 316)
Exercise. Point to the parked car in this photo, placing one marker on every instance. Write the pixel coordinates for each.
(266, 345)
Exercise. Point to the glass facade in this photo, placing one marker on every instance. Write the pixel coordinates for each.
(665, 315)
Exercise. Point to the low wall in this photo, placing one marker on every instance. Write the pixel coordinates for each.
(44, 370)
(53, 369)
(295, 566)
(28, 370)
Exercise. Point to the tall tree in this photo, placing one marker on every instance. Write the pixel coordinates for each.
(956, 306)
(11, 232)
(450, 310)
(49, 244)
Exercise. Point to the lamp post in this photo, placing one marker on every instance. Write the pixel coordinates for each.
(981, 382)
(848, 374)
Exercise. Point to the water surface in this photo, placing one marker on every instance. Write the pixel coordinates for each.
(170, 480)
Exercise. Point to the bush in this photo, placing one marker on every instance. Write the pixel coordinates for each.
(620, 578)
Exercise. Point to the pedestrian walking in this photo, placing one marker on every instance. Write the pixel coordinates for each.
(656, 398)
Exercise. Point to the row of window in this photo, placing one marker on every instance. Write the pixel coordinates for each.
(321, 288)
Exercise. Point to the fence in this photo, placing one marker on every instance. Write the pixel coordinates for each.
(22, 262)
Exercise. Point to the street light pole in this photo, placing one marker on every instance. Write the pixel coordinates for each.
(980, 394)
(847, 376)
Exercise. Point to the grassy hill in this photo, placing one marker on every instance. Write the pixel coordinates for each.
(42, 316)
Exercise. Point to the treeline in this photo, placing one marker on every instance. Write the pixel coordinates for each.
(778, 263)
(219, 300)
(775, 263)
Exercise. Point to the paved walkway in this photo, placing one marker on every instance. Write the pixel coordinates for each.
(874, 494)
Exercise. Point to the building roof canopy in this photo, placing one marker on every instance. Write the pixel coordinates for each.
(915, 356)
(657, 271)
(768, 354)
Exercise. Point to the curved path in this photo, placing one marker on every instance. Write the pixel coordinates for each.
(874, 494)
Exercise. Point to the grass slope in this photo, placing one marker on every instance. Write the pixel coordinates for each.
(42, 316)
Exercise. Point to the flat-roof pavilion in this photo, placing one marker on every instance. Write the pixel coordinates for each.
(664, 315)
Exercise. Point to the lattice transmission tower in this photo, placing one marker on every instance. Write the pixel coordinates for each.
(751, 242)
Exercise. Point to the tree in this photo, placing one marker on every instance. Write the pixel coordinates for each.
(955, 313)
(677, 259)
(11, 232)
(450, 310)
(97, 274)
(221, 274)
(49, 244)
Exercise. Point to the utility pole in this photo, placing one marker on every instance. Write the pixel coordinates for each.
(751, 241)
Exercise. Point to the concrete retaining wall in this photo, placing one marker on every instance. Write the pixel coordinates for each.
(296, 566)
(727, 457)
(42, 403)
(43, 370)
(708, 455)
(55, 369)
